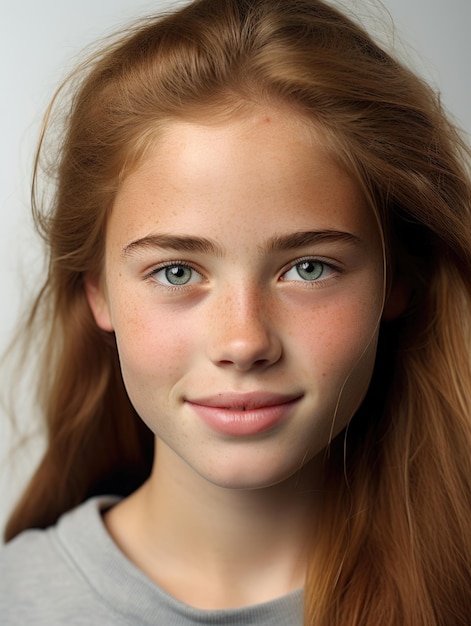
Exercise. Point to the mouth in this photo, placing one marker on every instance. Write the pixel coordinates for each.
(236, 414)
(243, 402)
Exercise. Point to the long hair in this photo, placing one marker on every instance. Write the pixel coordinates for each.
(394, 542)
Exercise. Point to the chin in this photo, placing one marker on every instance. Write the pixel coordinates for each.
(252, 477)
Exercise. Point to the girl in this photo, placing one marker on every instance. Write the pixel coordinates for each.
(256, 378)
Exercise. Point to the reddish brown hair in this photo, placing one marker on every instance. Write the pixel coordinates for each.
(394, 545)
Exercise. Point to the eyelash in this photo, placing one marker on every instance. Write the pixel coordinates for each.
(326, 264)
(333, 267)
(151, 276)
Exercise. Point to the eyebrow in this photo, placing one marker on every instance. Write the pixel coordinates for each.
(308, 238)
(174, 242)
(290, 241)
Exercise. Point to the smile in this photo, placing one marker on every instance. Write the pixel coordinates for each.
(244, 401)
(239, 415)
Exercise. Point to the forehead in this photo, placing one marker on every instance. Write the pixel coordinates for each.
(267, 170)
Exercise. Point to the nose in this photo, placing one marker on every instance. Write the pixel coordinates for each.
(243, 334)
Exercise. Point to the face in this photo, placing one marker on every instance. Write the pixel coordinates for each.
(244, 283)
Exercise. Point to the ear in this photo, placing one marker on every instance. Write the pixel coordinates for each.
(98, 302)
(397, 299)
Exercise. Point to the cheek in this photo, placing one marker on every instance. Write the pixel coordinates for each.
(339, 331)
(336, 349)
(152, 345)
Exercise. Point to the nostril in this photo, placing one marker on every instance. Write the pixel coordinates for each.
(244, 365)
(236, 347)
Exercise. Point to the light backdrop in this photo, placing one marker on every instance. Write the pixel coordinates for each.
(39, 42)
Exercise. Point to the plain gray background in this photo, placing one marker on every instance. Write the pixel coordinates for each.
(39, 42)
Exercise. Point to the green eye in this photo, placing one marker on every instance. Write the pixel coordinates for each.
(310, 270)
(178, 274)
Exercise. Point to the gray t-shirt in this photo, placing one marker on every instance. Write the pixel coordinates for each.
(73, 573)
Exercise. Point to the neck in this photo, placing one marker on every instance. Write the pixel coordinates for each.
(246, 546)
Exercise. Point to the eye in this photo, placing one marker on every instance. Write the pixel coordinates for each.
(176, 275)
(309, 270)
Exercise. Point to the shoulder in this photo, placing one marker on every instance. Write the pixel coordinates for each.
(40, 580)
(73, 573)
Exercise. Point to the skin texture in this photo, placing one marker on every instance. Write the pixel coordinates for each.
(248, 318)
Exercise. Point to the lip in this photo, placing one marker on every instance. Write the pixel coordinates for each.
(244, 414)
